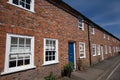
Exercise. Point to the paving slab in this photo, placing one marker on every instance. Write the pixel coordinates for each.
(97, 72)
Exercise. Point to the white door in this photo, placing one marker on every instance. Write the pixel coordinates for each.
(102, 52)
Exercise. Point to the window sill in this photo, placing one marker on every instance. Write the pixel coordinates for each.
(22, 7)
(82, 57)
(94, 55)
(50, 63)
(17, 70)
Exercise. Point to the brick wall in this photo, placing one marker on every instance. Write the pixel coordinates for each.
(48, 21)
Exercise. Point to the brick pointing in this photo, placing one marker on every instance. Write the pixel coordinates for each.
(48, 21)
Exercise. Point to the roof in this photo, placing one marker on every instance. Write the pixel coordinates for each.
(61, 4)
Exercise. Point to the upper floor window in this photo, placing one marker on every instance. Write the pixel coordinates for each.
(82, 50)
(19, 53)
(81, 23)
(93, 29)
(50, 51)
(108, 37)
(25, 4)
(94, 49)
(104, 36)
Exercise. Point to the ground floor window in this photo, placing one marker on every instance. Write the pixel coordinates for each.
(19, 53)
(98, 49)
(94, 49)
(82, 50)
(50, 51)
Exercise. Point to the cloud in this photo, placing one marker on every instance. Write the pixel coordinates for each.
(106, 13)
(111, 23)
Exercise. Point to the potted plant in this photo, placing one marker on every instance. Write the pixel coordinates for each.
(79, 64)
(68, 68)
(50, 77)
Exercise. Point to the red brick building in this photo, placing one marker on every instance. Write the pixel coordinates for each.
(41, 36)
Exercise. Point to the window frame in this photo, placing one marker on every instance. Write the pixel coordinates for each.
(56, 55)
(94, 45)
(7, 69)
(104, 36)
(81, 22)
(31, 5)
(93, 29)
(80, 50)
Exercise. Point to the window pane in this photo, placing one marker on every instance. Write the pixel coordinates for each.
(50, 58)
(28, 41)
(53, 57)
(27, 57)
(81, 55)
(22, 0)
(28, 45)
(21, 49)
(47, 42)
(28, 1)
(47, 52)
(21, 44)
(20, 57)
(12, 64)
(20, 62)
(27, 49)
(14, 40)
(27, 61)
(50, 52)
(22, 3)
(27, 6)
(15, 2)
(80, 24)
(54, 53)
(12, 57)
(13, 48)
(21, 40)
(80, 20)
(46, 59)
(51, 42)
(54, 43)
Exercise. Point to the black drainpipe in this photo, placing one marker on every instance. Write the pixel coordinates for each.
(89, 44)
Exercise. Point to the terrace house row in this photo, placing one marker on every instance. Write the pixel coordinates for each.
(41, 36)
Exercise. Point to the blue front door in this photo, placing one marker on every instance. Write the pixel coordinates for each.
(71, 52)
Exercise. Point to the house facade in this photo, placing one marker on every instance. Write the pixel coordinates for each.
(41, 36)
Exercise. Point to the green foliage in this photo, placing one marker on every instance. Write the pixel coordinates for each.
(79, 63)
(50, 77)
(99, 60)
(68, 68)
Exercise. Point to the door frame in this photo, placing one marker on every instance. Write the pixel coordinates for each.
(74, 57)
(74, 53)
(102, 52)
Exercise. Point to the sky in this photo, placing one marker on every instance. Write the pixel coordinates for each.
(105, 13)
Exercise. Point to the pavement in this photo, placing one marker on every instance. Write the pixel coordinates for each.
(100, 71)
(115, 74)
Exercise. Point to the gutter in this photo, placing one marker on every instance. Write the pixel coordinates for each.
(89, 44)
